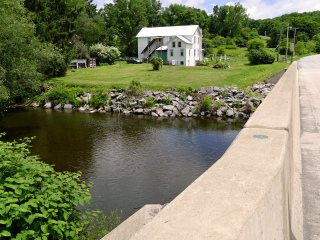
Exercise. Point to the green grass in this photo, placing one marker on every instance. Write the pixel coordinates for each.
(121, 75)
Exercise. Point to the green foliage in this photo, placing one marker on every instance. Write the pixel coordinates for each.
(36, 202)
(300, 48)
(51, 61)
(203, 64)
(134, 85)
(61, 94)
(100, 225)
(98, 99)
(230, 46)
(149, 102)
(18, 55)
(237, 103)
(156, 63)
(166, 100)
(255, 43)
(217, 105)
(104, 53)
(206, 104)
(183, 97)
(260, 57)
(310, 46)
(221, 50)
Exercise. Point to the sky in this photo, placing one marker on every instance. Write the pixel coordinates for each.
(257, 9)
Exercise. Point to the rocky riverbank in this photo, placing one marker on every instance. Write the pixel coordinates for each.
(206, 101)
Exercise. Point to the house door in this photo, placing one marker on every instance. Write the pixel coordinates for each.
(164, 55)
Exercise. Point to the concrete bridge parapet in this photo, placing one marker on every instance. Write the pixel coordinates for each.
(252, 192)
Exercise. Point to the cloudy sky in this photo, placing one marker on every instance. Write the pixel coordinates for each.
(257, 9)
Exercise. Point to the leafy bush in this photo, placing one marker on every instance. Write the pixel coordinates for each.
(230, 46)
(300, 48)
(98, 99)
(255, 43)
(203, 64)
(104, 53)
(135, 85)
(149, 102)
(166, 100)
(62, 94)
(156, 63)
(36, 202)
(206, 104)
(260, 57)
(51, 61)
(221, 50)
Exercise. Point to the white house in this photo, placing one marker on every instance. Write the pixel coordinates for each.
(177, 45)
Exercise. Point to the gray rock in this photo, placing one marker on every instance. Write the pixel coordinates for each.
(138, 111)
(189, 98)
(79, 99)
(230, 113)
(190, 114)
(116, 110)
(185, 111)
(159, 111)
(168, 108)
(68, 106)
(219, 113)
(153, 114)
(94, 111)
(35, 105)
(82, 109)
(57, 107)
(47, 105)
(126, 111)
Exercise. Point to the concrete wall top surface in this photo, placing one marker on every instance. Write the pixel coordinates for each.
(244, 195)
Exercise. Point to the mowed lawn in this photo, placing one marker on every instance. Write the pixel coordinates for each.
(120, 75)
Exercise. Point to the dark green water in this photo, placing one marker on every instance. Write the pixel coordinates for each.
(132, 160)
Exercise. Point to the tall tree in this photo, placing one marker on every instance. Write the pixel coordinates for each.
(124, 19)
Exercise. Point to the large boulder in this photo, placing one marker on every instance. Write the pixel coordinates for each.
(47, 105)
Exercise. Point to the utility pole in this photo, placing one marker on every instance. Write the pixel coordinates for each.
(278, 56)
(294, 38)
(287, 42)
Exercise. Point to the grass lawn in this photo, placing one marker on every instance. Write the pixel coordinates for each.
(120, 75)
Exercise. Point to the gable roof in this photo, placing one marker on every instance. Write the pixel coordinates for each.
(167, 31)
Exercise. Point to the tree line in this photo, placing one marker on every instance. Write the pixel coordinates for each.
(38, 38)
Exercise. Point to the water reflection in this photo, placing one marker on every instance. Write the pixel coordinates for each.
(132, 160)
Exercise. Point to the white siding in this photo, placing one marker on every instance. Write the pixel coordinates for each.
(142, 43)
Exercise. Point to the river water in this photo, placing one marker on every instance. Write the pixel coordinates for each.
(131, 160)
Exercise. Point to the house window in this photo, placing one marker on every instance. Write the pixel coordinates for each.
(181, 53)
(199, 40)
(194, 53)
(171, 52)
(181, 63)
(179, 44)
(194, 40)
(173, 44)
(149, 40)
(189, 52)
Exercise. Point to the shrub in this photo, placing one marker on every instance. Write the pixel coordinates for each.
(203, 64)
(36, 202)
(98, 99)
(231, 47)
(166, 100)
(221, 50)
(156, 63)
(206, 104)
(104, 53)
(134, 85)
(260, 57)
(300, 48)
(255, 43)
(149, 102)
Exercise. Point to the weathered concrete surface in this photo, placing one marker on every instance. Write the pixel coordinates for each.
(309, 80)
(135, 222)
(276, 77)
(252, 192)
